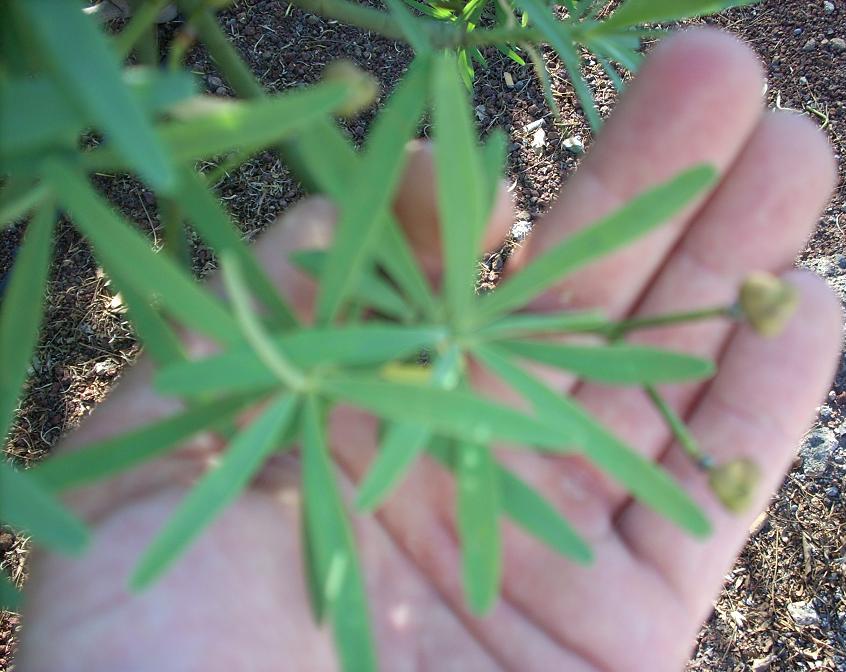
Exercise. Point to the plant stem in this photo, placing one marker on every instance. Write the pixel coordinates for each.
(680, 431)
(620, 329)
(144, 19)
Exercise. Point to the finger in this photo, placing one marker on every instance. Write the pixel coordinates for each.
(757, 219)
(416, 208)
(758, 407)
(670, 119)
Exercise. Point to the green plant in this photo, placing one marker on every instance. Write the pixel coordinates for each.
(155, 125)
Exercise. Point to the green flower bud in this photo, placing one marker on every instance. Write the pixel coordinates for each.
(364, 89)
(768, 303)
(734, 483)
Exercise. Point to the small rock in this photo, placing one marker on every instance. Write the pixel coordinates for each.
(803, 80)
(837, 44)
(312, 18)
(149, 197)
(817, 448)
(828, 7)
(797, 32)
(220, 90)
(841, 260)
(7, 540)
(539, 139)
(520, 230)
(509, 80)
(826, 413)
(537, 123)
(215, 82)
(481, 112)
(514, 146)
(810, 45)
(832, 493)
(574, 145)
(803, 613)
(105, 368)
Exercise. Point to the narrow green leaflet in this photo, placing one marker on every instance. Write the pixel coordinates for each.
(112, 456)
(21, 311)
(336, 566)
(158, 337)
(411, 27)
(26, 505)
(457, 413)
(399, 448)
(373, 290)
(239, 369)
(526, 324)
(218, 488)
(478, 526)
(636, 12)
(217, 230)
(396, 257)
(126, 253)
(10, 597)
(19, 196)
(368, 197)
(646, 481)
(313, 587)
(561, 40)
(528, 508)
(461, 185)
(620, 364)
(84, 64)
(631, 221)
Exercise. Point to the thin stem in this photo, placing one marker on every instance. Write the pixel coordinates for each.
(680, 431)
(620, 329)
(144, 19)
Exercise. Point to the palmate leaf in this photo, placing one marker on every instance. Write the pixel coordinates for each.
(459, 414)
(83, 64)
(629, 222)
(478, 525)
(26, 505)
(366, 200)
(239, 369)
(646, 481)
(112, 456)
(617, 363)
(560, 38)
(21, 311)
(636, 12)
(461, 190)
(217, 230)
(10, 597)
(126, 253)
(336, 572)
(218, 488)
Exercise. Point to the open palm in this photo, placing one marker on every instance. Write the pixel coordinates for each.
(236, 601)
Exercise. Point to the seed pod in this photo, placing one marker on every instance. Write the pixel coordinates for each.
(363, 86)
(734, 483)
(768, 303)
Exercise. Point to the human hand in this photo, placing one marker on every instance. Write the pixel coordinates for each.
(236, 600)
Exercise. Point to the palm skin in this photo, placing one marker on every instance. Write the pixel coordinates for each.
(236, 601)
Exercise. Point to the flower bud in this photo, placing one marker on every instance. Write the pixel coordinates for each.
(363, 86)
(734, 483)
(767, 303)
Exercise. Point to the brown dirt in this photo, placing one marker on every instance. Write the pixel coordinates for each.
(797, 551)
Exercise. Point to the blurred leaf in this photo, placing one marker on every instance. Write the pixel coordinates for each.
(644, 479)
(239, 369)
(126, 253)
(368, 198)
(336, 565)
(620, 364)
(635, 12)
(615, 48)
(629, 222)
(529, 509)
(397, 258)
(457, 413)
(560, 38)
(372, 291)
(612, 74)
(217, 230)
(218, 487)
(478, 526)
(85, 66)
(313, 585)
(27, 506)
(510, 53)
(524, 324)
(412, 28)
(461, 189)
(398, 450)
(112, 456)
(428, 10)
(19, 196)
(10, 597)
(21, 311)
(494, 157)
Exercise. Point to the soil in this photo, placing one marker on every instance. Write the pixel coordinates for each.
(797, 552)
